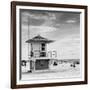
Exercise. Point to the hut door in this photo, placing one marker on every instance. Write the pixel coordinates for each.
(42, 64)
(31, 65)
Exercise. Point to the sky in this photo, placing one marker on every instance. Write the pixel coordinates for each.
(61, 26)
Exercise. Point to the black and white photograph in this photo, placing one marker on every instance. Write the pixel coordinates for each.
(50, 44)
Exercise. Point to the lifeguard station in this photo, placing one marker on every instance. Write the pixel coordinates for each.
(38, 53)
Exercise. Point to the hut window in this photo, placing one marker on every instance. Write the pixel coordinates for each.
(42, 54)
(43, 46)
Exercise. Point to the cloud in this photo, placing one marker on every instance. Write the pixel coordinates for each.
(39, 15)
(71, 21)
(42, 29)
(34, 30)
(46, 18)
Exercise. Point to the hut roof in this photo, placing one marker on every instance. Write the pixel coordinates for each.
(39, 38)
